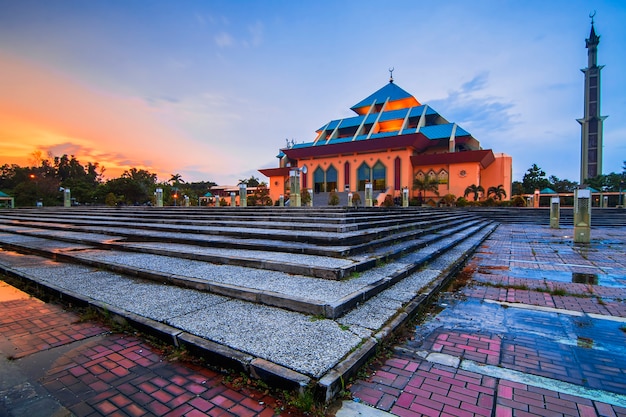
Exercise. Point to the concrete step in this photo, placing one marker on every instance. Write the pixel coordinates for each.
(264, 306)
(163, 264)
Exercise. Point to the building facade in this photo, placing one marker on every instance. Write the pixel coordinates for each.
(391, 140)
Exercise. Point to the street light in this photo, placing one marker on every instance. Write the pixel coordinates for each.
(621, 199)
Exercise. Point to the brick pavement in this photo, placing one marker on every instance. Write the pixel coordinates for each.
(415, 382)
(112, 374)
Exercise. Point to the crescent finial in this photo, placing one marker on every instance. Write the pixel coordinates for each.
(592, 15)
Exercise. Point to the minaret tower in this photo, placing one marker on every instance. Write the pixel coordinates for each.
(591, 123)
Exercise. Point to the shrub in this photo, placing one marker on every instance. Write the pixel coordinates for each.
(305, 198)
(110, 199)
(462, 202)
(388, 202)
(356, 199)
(518, 201)
(333, 199)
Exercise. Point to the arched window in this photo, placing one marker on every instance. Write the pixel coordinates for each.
(443, 176)
(331, 178)
(379, 175)
(420, 176)
(363, 175)
(432, 175)
(318, 180)
(396, 174)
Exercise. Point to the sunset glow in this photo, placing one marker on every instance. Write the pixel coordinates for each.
(211, 90)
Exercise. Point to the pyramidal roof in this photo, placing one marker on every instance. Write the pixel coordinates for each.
(389, 91)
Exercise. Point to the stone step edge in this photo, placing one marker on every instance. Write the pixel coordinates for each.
(317, 272)
(322, 239)
(320, 224)
(215, 354)
(325, 388)
(313, 307)
(334, 381)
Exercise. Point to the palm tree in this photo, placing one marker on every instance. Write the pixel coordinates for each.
(176, 180)
(475, 189)
(498, 192)
(425, 184)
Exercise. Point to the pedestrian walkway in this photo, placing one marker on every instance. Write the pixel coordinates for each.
(55, 364)
(539, 330)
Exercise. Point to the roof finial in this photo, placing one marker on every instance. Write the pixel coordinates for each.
(391, 74)
(592, 15)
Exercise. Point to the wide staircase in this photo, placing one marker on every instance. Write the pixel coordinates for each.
(299, 297)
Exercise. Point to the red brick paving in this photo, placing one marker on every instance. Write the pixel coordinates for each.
(117, 374)
(412, 387)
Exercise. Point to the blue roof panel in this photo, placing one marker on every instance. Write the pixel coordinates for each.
(340, 140)
(391, 91)
(442, 131)
(417, 111)
(393, 115)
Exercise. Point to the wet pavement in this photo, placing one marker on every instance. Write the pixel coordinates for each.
(56, 364)
(539, 330)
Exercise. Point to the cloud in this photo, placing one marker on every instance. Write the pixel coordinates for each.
(42, 110)
(475, 110)
(256, 33)
(224, 40)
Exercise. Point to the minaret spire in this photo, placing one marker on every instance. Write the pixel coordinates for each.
(391, 74)
(591, 123)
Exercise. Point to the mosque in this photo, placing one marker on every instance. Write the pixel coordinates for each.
(391, 140)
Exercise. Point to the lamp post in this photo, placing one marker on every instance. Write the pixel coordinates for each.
(620, 198)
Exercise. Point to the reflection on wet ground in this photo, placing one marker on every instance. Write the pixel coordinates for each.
(10, 293)
(542, 317)
(607, 280)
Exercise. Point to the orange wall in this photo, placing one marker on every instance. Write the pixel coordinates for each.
(460, 176)
(386, 158)
(499, 173)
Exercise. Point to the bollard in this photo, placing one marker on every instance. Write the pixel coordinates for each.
(233, 199)
(281, 201)
(294, 184)
(582, 216)
(158, 194)
(310, 191)
(555, 205)
(67, 198)
(349, 199)
(405, 197)
(243, 195)
(368, 195)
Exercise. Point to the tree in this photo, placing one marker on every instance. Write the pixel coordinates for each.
(534, 179)
(474, 189)
(517, 188)
(250, 182)
(133, 187)
(562, 186)
(498, 192)
(425, 184)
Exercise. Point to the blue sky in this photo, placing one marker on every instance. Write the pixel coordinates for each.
(211, 89)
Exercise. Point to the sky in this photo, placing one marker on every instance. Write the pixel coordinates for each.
(212, 89)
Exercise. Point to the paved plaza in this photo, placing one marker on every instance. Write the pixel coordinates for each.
(539, 329)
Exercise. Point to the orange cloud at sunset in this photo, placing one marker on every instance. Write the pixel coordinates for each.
(46, 111)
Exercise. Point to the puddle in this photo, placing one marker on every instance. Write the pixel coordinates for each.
(10, 293)
(582, 278)
(606, 280)
(584, 342)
